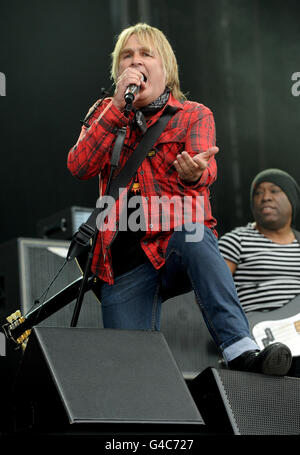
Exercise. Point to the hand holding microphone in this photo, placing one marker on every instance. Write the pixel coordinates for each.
(128, 87)
(132, 91)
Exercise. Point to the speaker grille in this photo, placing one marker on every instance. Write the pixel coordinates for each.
(260, 404)
(41, 260)
(128, 377)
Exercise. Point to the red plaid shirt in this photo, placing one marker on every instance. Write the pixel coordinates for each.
(191, 128)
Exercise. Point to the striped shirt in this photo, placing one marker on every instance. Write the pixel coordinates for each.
(267, 275)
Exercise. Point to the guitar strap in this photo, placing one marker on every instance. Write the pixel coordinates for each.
(81, 239)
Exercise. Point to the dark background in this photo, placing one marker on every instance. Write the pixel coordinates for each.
(235, 56)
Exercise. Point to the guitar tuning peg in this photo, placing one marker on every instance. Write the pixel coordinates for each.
(24, 344)
(20, 339)
(14, 316)
(24, 337)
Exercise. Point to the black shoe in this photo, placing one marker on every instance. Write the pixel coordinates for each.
(275, 359)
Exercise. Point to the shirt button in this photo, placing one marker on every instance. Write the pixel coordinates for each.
(150, 226)
(142, 172)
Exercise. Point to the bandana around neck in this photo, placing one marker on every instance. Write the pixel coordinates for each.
(151, 109)
(157, 104)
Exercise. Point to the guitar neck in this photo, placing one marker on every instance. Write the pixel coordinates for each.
(42, 311)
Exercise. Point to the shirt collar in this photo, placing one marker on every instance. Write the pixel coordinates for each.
(171, 102)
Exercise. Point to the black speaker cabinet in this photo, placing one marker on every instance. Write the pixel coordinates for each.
(63, 224)
(74, 377)
(187, 335)
(27, 267)
(240, 403)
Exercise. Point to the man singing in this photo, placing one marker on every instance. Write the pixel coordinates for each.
(142, 266)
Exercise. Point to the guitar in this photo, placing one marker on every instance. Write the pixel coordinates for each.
(280, 325)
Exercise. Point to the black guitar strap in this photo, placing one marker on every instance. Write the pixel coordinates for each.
(81, 239)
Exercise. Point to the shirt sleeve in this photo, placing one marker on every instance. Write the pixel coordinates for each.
(201, 136)
(92, 151)
(230, 247)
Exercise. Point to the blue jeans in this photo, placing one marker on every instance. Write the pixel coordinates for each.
(134, 301)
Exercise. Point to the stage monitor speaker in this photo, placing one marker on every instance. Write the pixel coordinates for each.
(74, 377)
(27, 267)
(247, 403)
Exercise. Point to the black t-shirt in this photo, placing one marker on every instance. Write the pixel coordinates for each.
(126, 249)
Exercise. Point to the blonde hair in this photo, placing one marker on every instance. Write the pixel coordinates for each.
(150, 36)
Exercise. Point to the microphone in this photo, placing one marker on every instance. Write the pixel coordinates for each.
(131, 91)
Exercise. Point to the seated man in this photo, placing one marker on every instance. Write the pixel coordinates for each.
(264, 255)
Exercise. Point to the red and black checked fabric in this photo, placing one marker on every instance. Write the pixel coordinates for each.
(192, 129)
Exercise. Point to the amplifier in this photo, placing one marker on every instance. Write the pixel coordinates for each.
(27, 269)
(63, 224)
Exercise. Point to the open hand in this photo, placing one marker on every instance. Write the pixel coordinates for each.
(191, 168)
